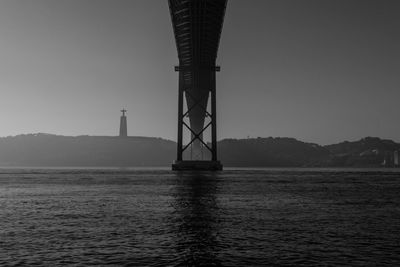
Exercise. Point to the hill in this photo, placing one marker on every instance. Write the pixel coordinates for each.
(46, 150)
(367, 152)
(55, 150)
(271, 152)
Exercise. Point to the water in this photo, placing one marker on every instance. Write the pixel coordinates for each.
(77, 217)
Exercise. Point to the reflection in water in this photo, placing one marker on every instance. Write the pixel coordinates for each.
(196, 219)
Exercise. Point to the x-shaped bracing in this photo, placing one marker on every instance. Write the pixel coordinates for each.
(196, 135)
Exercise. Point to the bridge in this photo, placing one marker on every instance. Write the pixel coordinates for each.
(197, 28)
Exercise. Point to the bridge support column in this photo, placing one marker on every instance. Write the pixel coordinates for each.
(180, 118)
(214, 119)
(196, 136)
(197, 26)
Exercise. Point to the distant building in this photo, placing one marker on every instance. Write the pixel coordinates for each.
(123, 130)
(396, 158)
(387, 160)
(391, 159)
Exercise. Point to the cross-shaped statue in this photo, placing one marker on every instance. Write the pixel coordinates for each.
(123, 112)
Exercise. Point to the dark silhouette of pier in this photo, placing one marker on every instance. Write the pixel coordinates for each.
(197, 27)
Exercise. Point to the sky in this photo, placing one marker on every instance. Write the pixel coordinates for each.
(321, 71)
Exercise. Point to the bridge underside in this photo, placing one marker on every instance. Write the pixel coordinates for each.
(197, 27)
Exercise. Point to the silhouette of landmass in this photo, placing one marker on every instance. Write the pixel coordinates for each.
(265, 152)
(367, 152)
(47, 150)
(55, 150)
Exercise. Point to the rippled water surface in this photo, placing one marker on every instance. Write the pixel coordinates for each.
(233, 218)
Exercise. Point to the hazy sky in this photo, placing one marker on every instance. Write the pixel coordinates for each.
(321, 71)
